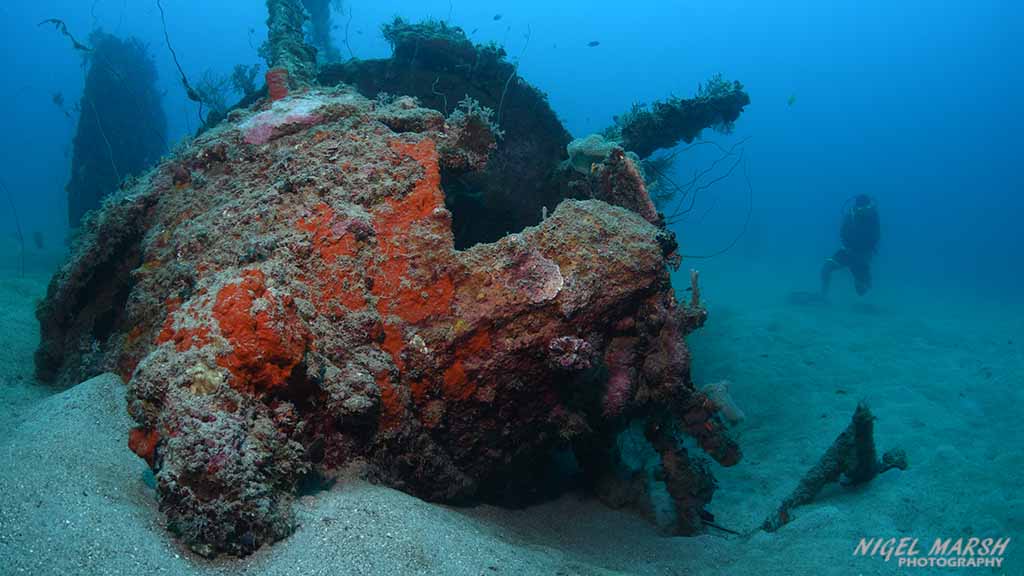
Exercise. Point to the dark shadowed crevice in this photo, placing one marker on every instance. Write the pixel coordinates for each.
(439, 66)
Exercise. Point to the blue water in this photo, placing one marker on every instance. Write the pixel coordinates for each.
(913, 102)
(916, 103)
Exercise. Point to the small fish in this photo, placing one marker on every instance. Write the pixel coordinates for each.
(37, 239)
(497, 17)
(791, 100)
(474, 31)
(593, 43)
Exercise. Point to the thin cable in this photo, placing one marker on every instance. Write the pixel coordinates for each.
(351, 54)
(110, 149)
(693, 197)
(444, 97)
(688, 188)
(746, 221)
(515, 71)
(189, 91)
(192, 95)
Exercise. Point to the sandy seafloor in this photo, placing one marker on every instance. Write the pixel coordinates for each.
(942, 372)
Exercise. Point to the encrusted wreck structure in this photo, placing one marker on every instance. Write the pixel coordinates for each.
(285, 298)
(122, 130)
(437, 64)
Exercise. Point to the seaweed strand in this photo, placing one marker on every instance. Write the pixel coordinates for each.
(63, 29)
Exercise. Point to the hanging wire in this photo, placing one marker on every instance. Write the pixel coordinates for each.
(746, 221)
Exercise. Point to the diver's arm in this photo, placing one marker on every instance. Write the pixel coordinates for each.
(848, 230)
(873, 230)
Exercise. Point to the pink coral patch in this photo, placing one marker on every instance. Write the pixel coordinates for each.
(283, 117)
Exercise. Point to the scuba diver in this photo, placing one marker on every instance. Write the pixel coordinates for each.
(860, 233)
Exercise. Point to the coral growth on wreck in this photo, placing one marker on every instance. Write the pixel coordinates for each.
(438, 64)
(323, 283)
(284, 298)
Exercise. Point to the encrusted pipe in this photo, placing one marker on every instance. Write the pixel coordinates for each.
(287, 47)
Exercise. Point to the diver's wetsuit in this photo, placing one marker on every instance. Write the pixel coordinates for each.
(860, 234)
